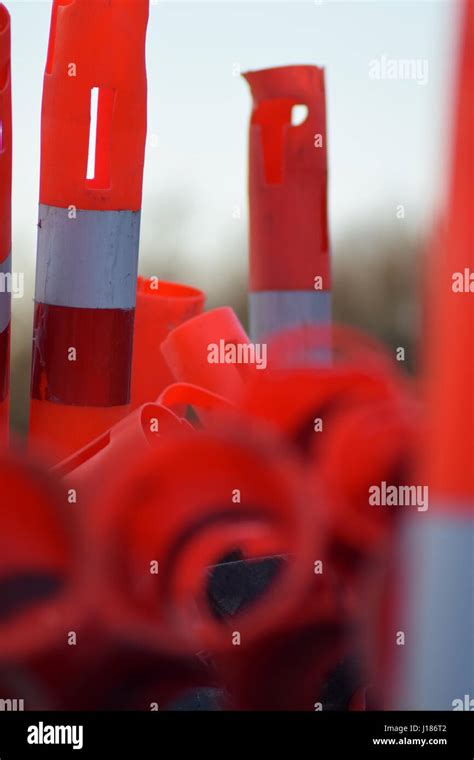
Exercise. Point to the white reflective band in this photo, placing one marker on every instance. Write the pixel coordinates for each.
(87, 259)
(275, 310)
(5, 292)
(437, 661)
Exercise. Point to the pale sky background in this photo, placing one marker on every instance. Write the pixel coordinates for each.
(386, 138)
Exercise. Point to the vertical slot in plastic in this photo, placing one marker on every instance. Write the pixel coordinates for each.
(100, 135)
(52, 33)
(274, 117)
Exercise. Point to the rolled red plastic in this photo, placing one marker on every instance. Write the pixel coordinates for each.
(182, 508)
(207, 350)
(41, 561)
(302, 404)
(108, 454)
(367, 444)
(207, 406)
(300, 397)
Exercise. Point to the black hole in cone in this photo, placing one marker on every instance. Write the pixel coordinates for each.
(234, 586)
(26, 589)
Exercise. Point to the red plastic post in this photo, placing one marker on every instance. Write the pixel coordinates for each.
(5, 219)
(92, 153)
(289, 240)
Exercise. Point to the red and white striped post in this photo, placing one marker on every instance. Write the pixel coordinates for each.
(5, 219)
(289, 239)
(92, 155)
(437, 669)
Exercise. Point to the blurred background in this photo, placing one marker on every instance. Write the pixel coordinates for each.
(387, 149)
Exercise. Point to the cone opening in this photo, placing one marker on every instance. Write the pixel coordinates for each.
(160, 289)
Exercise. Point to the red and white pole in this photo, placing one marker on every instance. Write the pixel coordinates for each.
(5, 219)
(92, 154)
(437, 670)
(289, 239)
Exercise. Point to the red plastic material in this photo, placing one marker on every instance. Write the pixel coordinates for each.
(74, 400)
(207, 405)
(101, 459)
(58, 431)
(5, 136)
(178, 506)
(5, 205)
(356, 423)
(335, 345)
(289, 241)
(4, 422)
(95, 44)
(187, 351)
(58, 376)
(449, 335)
(161, 307)
(293, 401)
(4, 384)
(40, 557)
(369, 443)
